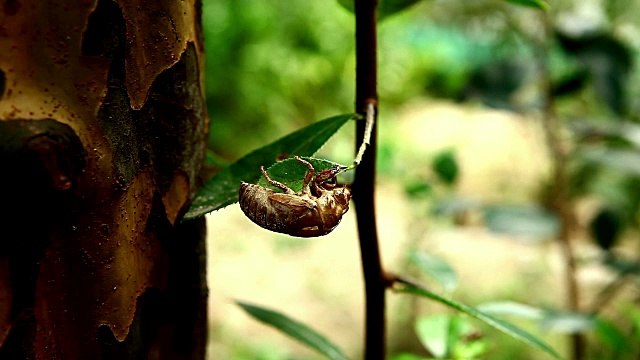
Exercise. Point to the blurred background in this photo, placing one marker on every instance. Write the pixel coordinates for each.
(509, 152)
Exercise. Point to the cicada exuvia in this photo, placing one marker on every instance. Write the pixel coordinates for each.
(314, 211)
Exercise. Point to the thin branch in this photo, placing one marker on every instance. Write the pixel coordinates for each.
(560, 199)
(364, 184)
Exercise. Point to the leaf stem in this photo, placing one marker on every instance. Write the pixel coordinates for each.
(364, 184)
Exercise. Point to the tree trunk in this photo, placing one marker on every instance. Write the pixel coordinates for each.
(102, 137)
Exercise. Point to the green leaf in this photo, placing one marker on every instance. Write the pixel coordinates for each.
(510, 308)
(456, 205)
(522, 221)
(417, 189)
(385, 7)
(222, 189)
(407, 356)
(624, 160)
(391, 7)
(606, 228)
(433, 333)
(611, 335)
(291, 173)
(622, 266)
(348, 5)
(436, 268)
(294, 329)
(444, 164)
(608, 62)
(450, 337)
(632, 312)
(571, 83)
(567, 322)
(539, 4)
(498, 324)
(471, 350)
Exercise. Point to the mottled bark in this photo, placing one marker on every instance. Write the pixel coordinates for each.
(102, 137)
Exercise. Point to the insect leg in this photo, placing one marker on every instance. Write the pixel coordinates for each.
(328, 175)
(308, 176)
(277, 184)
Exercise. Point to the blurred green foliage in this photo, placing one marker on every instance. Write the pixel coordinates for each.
(275, 66)
(451, 337)
(272, 67)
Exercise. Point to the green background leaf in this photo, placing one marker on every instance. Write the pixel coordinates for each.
(385, 7)
(295, 329)
(525, 221)
(436, 268)
(607, 62)
(445, 165)
(222, 189)
(531, 3)
(433, 333)
(611, 335)
(407, 356)
(566, 322)
(624, 160)
(606, 227)
(498, 324)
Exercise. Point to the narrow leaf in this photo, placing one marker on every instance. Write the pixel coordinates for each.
(222, 189)
(294, 329)
(510, 308)
(498, 324)
(539, 4)
(436, 268)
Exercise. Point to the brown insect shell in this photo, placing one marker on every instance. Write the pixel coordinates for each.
(303, 215)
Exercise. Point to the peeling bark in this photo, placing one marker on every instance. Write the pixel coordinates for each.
(102, 137)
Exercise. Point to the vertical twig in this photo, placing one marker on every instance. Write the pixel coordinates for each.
(363, 187)
(368, 128)
(559, 196)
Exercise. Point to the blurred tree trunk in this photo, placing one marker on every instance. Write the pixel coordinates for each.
(102, 137)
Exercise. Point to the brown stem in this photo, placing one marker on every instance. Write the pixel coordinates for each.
(559, 196)
(363, 187)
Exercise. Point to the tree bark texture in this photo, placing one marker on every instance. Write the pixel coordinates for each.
(103, 130)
